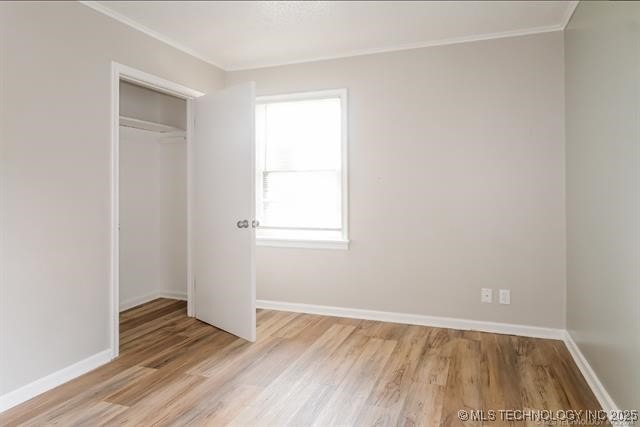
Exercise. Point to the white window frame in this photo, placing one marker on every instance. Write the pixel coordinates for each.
(320, 243)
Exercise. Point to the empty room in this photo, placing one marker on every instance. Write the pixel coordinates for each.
(320, 213)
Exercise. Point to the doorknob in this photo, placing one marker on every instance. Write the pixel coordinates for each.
(255, 223)
(243, 224)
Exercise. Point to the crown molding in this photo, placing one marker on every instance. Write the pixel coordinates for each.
(98, 7)
(347, 54)
(571, 7)
(408, 46)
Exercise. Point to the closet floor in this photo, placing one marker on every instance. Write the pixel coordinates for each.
(306, 369)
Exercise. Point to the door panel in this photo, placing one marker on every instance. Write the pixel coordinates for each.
(223, 195)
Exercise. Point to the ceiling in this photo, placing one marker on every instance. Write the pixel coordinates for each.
(250, 34)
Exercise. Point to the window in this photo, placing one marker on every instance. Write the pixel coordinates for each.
(301, 161)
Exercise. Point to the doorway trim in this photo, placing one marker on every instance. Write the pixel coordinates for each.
(141, 78)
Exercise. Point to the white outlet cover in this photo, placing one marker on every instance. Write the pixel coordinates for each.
(505, 296)
(486, 295)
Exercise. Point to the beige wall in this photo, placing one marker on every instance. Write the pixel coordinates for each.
(602, 45)
(54, 177)
(456, 182)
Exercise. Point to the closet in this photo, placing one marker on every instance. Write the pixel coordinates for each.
(183, 176)
(152, 196)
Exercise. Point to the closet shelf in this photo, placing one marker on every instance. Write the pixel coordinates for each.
(147, 125)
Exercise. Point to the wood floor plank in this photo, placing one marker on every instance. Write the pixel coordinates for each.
(288, 395)
(98, 413)
(386, 401)
(157, 325)
(163, 406)
(463, 385)
(47, 401)
(308, 370)
(353, 391)
(397, 375)
(77, 406)
(228, 407)
(296, 326)
(177, 306)
(142, 309)
(569, 379)
(308, 412)
(423, 406)
(424, 400)
(499, 377)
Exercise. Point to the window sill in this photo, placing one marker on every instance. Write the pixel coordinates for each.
(305, 244)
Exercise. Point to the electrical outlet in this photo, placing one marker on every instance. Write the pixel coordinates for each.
(505, 296)
(486, 295)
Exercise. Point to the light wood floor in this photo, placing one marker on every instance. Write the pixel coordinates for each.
(307, 370)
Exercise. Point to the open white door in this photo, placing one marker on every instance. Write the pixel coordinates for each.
(223, 236)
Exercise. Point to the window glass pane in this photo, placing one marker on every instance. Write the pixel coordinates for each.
(302, 199)
(302, 135)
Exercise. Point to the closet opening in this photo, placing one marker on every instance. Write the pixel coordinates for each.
(174, 216)
(153, 222)
(150, 268)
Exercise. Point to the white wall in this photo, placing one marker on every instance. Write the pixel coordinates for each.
(602, 44)
(172, 218)
(153, 217)
(54, 177)
(456, 157)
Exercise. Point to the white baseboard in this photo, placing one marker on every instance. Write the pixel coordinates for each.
(41, 385)
(416, 319)
(592, 379)
(134, 302)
